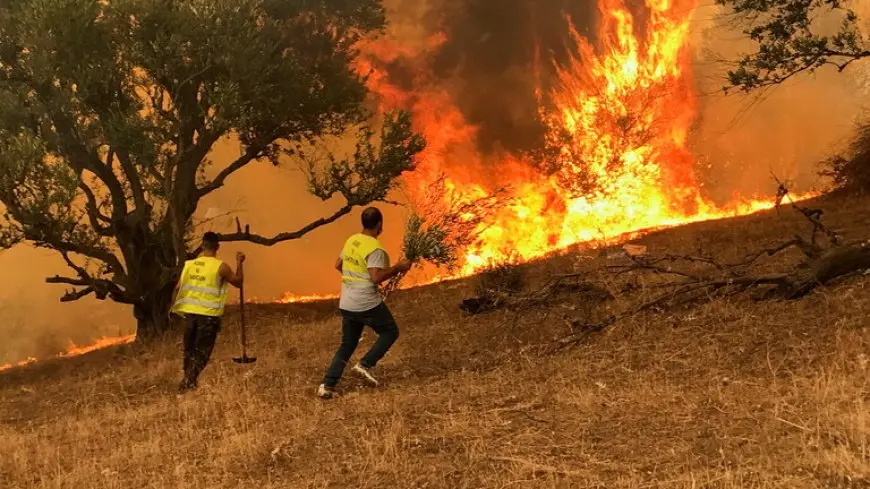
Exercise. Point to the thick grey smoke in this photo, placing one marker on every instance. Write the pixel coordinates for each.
(496, 53)
(495, 49)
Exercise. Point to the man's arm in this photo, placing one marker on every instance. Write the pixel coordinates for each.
(175, 291)
(174, 297)
(237, 278)
(382, 274)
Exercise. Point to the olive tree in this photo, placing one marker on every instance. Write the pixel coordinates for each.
(109, 111)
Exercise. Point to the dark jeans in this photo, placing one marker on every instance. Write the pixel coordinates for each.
(199, 339)
(352, 325)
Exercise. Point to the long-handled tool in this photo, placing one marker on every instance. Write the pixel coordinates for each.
(245, 358)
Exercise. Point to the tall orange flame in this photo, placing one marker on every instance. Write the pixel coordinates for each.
(618, 116)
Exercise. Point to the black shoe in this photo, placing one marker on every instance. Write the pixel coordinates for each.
(185, 387)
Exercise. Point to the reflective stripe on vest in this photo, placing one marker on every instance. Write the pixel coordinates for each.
(354, 267)
(202, 290)
(206, 290)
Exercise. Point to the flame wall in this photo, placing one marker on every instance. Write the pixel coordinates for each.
(606, 151)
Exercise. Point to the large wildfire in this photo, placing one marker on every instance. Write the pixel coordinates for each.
(616, 160)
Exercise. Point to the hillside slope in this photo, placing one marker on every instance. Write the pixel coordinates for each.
(725, 394)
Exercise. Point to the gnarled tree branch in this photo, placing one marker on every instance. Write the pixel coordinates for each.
(134, 179)
(101, 288)
(788, 43)
(245, 235)
(98, 220)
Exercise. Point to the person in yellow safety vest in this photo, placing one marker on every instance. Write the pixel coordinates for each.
(200, 296)
(363, 265)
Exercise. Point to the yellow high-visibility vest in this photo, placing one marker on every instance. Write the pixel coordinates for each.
(203, 291)
(354, 269)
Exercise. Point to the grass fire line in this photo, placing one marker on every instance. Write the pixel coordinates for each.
(73, 350)
(432, 240)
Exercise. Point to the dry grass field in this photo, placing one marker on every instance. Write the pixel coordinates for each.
(729, 394)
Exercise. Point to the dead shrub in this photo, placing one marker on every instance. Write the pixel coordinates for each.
(501, 279)
(851, 173)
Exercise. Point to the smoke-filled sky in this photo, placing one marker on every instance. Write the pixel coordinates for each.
(787, 130)
(489, 60)
(488, 64)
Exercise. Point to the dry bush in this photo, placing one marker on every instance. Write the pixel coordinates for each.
(495, 285)
(851, 173)
(502, 278)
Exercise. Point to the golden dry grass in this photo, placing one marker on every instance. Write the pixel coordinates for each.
(728, 394)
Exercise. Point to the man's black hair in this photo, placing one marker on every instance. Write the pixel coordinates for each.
(210, 241)
(371, 218)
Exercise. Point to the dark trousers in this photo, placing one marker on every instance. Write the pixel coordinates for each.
(199, 339)
(352, 325)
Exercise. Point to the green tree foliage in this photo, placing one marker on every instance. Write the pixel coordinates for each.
(790, 40)
(109, 111)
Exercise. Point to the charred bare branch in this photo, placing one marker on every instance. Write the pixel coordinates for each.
(809, 250)
(79, 270)
(246, 235)
(814, 216)
(57, 279)
(822, 270)
(105, 256)
(74, 295)
(557, 286)
(101, 288)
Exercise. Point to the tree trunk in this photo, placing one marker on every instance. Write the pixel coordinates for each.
(152, 315)
(832, 265)
(152, 272)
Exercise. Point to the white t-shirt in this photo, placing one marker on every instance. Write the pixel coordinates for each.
(361, 299)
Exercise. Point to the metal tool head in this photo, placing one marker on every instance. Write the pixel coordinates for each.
(245, 359)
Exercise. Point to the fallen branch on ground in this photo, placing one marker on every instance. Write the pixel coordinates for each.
(820, 267)
(573, 283)
(687, 279)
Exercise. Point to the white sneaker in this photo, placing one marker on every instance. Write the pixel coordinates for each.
(366, 374)
(324, 392)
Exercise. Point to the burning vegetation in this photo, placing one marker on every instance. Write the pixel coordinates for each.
(615, 111)
(73, 350)
(615, 158)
